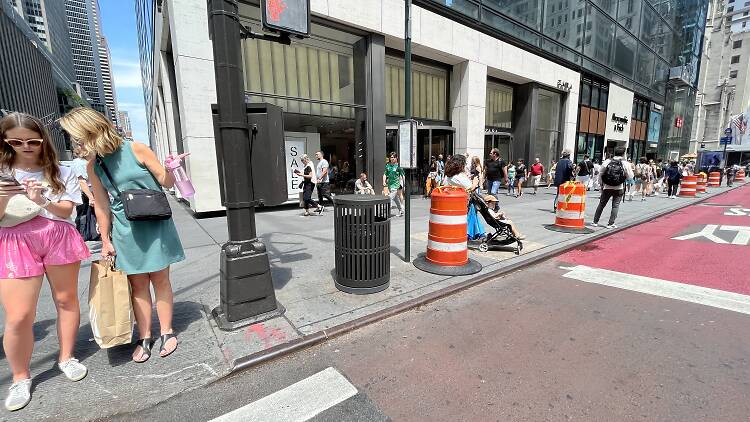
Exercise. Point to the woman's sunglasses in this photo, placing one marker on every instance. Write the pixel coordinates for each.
(16, 143)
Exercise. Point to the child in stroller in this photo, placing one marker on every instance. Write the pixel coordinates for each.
(505, 231)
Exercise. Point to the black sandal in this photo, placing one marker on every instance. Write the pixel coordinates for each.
(146, 345)
(164, 339)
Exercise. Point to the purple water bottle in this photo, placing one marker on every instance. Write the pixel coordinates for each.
(181, 179)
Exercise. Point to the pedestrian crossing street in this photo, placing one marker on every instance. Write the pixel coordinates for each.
(298, 402)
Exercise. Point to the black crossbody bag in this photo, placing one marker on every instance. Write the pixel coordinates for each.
(141, 204)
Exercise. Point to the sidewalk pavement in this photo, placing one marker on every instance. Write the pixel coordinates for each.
(301, 252)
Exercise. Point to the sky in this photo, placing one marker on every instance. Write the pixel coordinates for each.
(118, 22)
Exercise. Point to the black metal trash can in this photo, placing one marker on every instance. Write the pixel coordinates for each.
(362, 229)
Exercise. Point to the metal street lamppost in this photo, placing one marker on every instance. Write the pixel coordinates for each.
(249, 140)
(407, 113)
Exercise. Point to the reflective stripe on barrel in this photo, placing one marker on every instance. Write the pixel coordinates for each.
(446, 244)
(740, 177)
(714, 179)
(688, 186)
(571, 205)
(701, 186)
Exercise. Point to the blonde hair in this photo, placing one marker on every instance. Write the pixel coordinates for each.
(92, 132)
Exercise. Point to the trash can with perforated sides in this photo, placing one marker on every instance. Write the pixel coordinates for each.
(362, 230)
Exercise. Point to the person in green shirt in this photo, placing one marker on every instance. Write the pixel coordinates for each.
(392, 179)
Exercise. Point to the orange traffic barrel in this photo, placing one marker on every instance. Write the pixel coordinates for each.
(688, 186)
(714, 179)
(571, 207)
(700, 187)
(447, 248)
(740, 176)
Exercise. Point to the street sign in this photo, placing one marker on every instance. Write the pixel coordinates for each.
(726, 140)
(290, 16)
(407, 143)
(728, 131)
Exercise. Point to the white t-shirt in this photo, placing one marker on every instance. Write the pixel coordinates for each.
(461, 180)
(72, 190)
(322, 164)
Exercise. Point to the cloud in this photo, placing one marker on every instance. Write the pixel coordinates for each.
(127, 74)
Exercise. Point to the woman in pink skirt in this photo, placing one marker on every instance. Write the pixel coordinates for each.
(47, 245)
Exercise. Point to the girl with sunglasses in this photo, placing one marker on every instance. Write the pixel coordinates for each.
(48, 244)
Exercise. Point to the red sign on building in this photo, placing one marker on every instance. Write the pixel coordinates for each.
(678, 122)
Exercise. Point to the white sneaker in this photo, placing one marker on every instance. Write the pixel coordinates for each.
(74, 370)
(19, 395)
(592, 224)
(612, 226)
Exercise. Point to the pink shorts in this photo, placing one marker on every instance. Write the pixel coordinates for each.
(28, 247)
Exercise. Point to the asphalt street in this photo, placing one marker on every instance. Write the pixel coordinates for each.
(649, 324)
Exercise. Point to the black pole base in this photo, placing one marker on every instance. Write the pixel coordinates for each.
(572, 230)
(471, 267)
(225, 325)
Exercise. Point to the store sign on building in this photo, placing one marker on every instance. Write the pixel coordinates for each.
(619, 109)
(564, 86)
(678, 122)
(620, 122)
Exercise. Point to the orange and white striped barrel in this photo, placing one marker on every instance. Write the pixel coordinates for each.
(714, 179)
(447, 241)
(700, 187)
(740, 176)
(688, 186)
(571, 205)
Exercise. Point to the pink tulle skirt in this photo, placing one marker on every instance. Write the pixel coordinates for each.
(28, 247)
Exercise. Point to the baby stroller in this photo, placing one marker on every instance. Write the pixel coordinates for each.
(503, 234)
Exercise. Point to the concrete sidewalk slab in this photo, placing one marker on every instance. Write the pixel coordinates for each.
(301, 251)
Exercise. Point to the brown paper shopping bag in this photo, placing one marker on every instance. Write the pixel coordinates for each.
(110, 311)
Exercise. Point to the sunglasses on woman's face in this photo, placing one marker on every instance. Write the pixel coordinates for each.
(17, 143)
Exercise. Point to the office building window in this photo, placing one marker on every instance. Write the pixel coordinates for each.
(499, 106)
(733, 74)
(735, 59)
(730, 9)
(737, 44)
(429, 92)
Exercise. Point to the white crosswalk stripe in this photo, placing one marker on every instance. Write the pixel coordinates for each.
(686, 292)
(297, 403)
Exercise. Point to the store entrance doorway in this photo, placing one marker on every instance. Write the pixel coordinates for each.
(503, 141)
(431, 142)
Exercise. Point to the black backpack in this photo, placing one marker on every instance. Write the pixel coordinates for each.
(614, 173)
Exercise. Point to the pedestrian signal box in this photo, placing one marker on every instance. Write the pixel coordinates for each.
(287, 16)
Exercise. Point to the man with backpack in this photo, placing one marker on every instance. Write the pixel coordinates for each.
(612, 179)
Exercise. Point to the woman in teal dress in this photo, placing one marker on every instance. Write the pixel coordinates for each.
(144, 249)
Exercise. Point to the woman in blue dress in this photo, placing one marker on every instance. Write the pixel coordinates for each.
(144, 249)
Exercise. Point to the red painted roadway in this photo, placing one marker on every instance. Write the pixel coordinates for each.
(649, 250)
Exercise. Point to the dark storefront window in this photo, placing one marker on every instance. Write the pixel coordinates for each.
(638, 129)
(592, 119)
(547, 137)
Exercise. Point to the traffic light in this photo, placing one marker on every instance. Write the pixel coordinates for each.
(289, 16)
